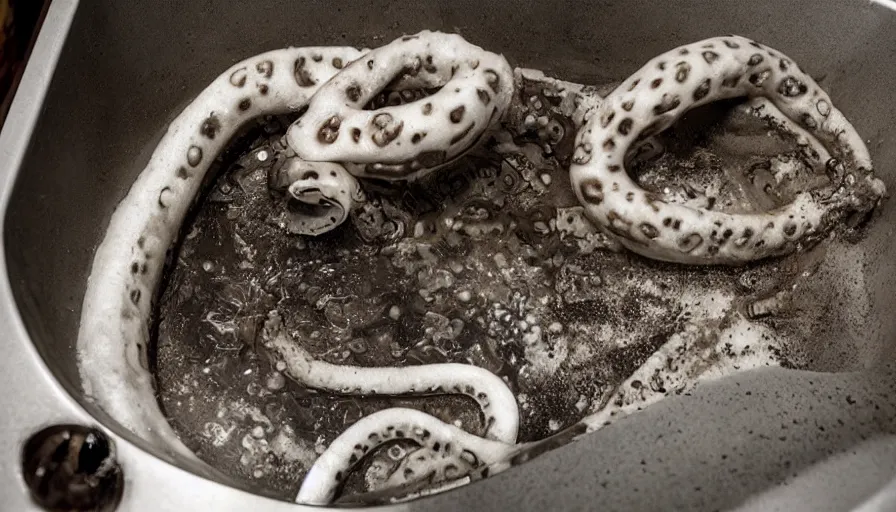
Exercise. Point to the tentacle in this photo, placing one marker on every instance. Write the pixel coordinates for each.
(404, 141)
(662, 91)
(324, 194)
(499, 406)
(128, 264)
(455, 446)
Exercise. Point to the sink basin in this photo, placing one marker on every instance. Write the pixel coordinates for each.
(106, 78)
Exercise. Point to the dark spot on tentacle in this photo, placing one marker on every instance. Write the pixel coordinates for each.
(385, 131)
(614, 168)
(744, 238)
(712, 250)
(758, 79)
(710, 57)
(245, 104)
(492, 79)
(682, 71)
(630, 196)
(607, 118)
(649, 230)
(791, 87)
(634, 84)
(702, 90)
(809, 121)
(683, 51)
(427, 109)
(210, 127)
(182, 173)
(437, 446)
(263, 89)
(428, 65)
(337, 63)
(609, 144)
(339, 476)
(690, 242)
(625, 126)
(265, 68)
(430, 159)
(356, 134)
(708, 46)
(668, 103)
(238, 77)
(730, 44)
(755, 59)
(661, 65)
(135, 268)
(784, 65)
(329, 131)
(484, 96)
(582, 154)
(353, 93)
(754, 44)
(370, 64)
(656, 83)
(731, 81)
(417, 137)
(135, 296)
(399, 434)
(463, 133)
(302, 75)
(457, 115)
(410, 38)
(310, 175)
(194, 156)
(592, 191)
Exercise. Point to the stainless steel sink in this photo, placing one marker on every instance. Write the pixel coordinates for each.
(107, 76)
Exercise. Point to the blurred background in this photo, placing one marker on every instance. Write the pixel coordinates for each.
(19, 20)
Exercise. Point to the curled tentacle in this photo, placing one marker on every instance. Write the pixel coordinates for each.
(128, 264)
(453, 446)
(660, 93)
(499, 406)
(407, 140)
(324, 194)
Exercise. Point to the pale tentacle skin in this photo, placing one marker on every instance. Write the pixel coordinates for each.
(328, 192)
(409, 140)
(128, 264)
(331, 468)
(658, 94)
(499, 406)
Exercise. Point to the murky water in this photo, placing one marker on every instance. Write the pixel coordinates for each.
(490, 263)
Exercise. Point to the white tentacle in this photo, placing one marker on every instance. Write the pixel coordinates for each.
(128, 264)
(661, 92)
(404, 141)
(329, 471)
(499, 406)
